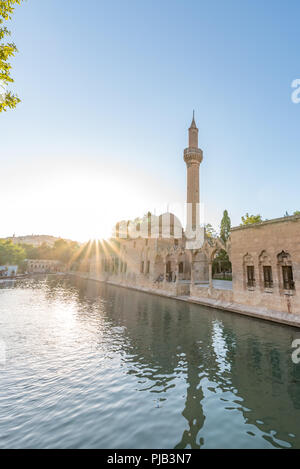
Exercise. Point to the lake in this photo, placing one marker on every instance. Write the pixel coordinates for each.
(89, 365)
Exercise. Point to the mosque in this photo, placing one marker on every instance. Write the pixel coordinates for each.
(159, 256)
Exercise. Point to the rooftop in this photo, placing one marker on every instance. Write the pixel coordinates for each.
(267, 222)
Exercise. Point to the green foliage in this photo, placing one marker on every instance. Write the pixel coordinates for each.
(225, 226)
(221, 262)
(209, 231)
(297, 212)
(251, 219)
(62, 250)
(70, 253)
(7, 50)
(11, 254)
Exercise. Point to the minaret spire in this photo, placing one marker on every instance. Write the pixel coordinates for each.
(193, 134)
(193, 124)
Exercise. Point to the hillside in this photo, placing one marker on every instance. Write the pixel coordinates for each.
(35, 240)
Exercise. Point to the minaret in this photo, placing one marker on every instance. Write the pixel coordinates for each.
(193, 157)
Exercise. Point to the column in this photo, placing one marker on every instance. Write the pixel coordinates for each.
(210, 275)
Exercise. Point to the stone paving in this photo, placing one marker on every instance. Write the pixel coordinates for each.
(218, 284)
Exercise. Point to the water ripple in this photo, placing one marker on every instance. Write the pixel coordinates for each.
(94, 366)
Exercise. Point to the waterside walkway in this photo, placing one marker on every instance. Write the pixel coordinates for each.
(260, 313)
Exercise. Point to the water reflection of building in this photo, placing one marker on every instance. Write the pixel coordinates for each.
(244, 360)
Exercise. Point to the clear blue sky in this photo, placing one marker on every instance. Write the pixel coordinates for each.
(108, 90)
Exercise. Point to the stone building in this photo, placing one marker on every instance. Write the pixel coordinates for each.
(161, 257)
(266, 264)
(44, 266)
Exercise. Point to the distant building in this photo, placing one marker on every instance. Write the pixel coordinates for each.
(8, 270)
(44, 266)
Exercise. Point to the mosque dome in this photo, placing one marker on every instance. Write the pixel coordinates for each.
(169, 226)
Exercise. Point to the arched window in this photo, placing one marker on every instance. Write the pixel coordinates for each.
(249, 272)
(180, 268)
(158, 269)
(265, 267)
(285, 265)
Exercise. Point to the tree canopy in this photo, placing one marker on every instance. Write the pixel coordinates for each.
(68, 252)
(210, 231)
(225, 226)
(7, 50)
(251, 219)
(11, 254)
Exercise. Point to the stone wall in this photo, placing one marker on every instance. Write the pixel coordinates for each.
(198, 291)
(260, 245)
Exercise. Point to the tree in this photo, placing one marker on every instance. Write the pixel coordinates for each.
(251, 219)
(225, 226)
(31, 252)
(209, 231)
(7, 50)
(221, 262)
(44, 251)
(67, 251)
(11, 254)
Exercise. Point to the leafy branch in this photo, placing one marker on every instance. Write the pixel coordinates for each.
(8, 100)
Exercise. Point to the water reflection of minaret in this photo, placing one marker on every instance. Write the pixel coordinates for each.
(193, 410)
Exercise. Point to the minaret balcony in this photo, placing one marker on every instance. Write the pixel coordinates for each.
(193, 154)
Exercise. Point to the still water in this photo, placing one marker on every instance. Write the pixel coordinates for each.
(96, 366)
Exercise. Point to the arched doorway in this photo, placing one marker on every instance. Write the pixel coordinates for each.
(170, 268)
(159, 269)
(184, 267)
(221, 265)
(200, 267)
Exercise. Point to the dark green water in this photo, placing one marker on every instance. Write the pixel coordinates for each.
(95, 366)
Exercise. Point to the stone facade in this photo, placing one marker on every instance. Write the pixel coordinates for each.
(161, 265)
(271, 252)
